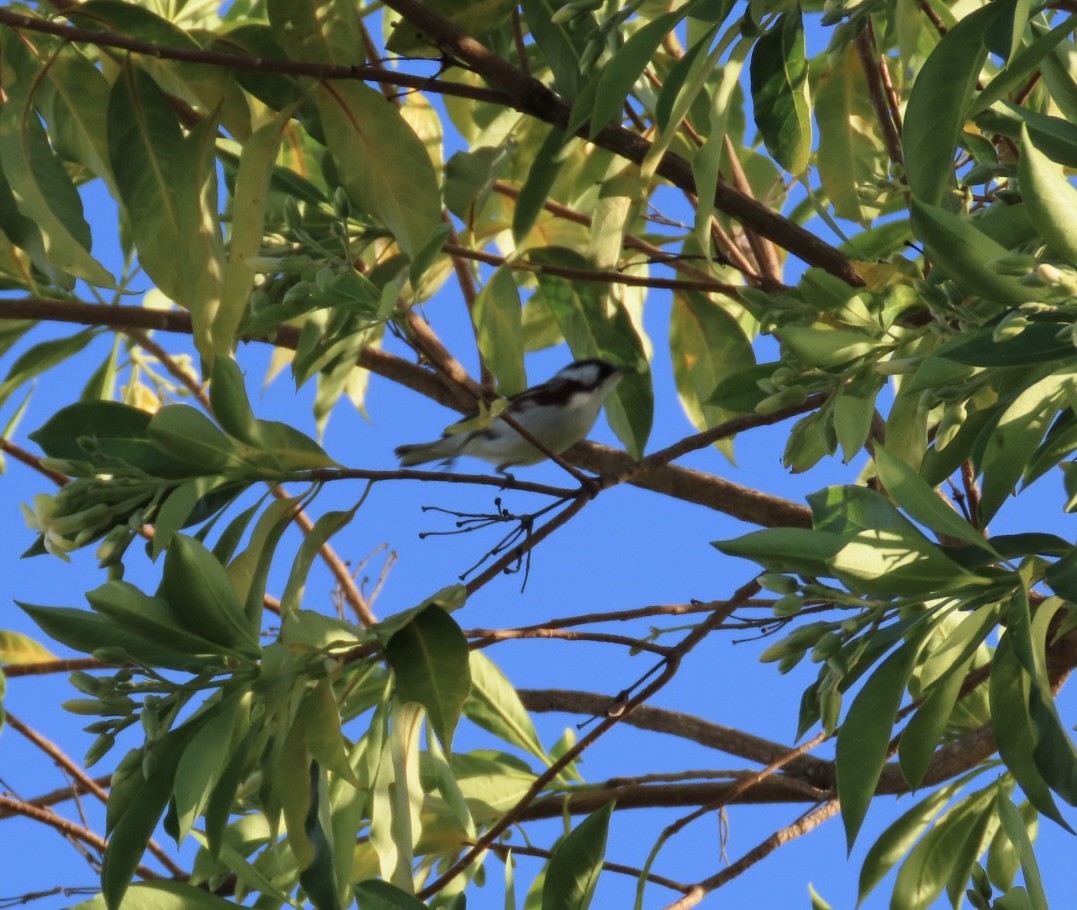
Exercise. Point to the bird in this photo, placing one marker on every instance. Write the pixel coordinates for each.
(558, 413)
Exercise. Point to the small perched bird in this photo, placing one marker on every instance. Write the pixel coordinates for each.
(558, 413)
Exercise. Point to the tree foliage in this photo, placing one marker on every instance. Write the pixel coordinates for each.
(877, 199)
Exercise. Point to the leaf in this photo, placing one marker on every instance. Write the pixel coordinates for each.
(851, 153)
(925, 729)
(618, 76)
(938, 102)
(316, 31)
(933, 861)
(150, 619)
(378, 895)
(77, 95)
(200, 594)
(708, 347)
(46, 195)
(561, 43)
(576, 864)
(963, 253)
(322, 731)
(146, 799)
(383, 165)
(541, 174)
(41, 358)
(497, 315)
(494, 705)
(429, 660)
(87, 632)
(16, 648)
(162, 895)
(1035, 344)
(780, 101)
(192, 438)
(324, 528)
(865, 735)
(1008, 690)
(1050, 198)
(921, 501)
(204, 761)
(1016, 437)
(168, 186)
(1014, 826)
(797, 550)
(899, 837)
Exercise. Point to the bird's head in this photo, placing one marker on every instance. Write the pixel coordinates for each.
(592, 373)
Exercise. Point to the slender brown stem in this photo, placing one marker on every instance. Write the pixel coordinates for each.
(869, 62)
(670, 664)
(807, 822)
(57, 755)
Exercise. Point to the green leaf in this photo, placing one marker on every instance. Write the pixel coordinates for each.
(162, 895)
(16, 648)
(76, 108)
(168, 186)
(46, 195)
(708, 347)
(541, 174)
(41, 358)
(1036, 343)
(146, 799)
(1015, 735)
(939, 100)
(576, 864)
(203, 762)
(151, 619)
(786, 549)
(781, 103)
(494, 705)
(322, 731)
(922, 501)
(193, 439)
(865, 735)
(200, 594)
(324, 528)
(620, 73)
(1014, 826)
(317, 32)
(497, 314)
(384, 166)
(899, 837)
(228, 396)
(561, 43)
(851, 153)
(378, 895)
(934, 860)
(256, 168)
(924, 731)
(963, 252)
(429, 659)
(87, 632)
(1050, 198)
(1016, 437)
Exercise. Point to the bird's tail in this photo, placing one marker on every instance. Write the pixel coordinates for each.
(422, 452)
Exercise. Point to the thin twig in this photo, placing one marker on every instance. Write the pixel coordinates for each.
(807, 822)
(671, 664)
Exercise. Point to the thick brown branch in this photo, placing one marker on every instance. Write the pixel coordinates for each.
(681, 483)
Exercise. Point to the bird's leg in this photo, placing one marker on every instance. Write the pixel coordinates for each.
(508, 478)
